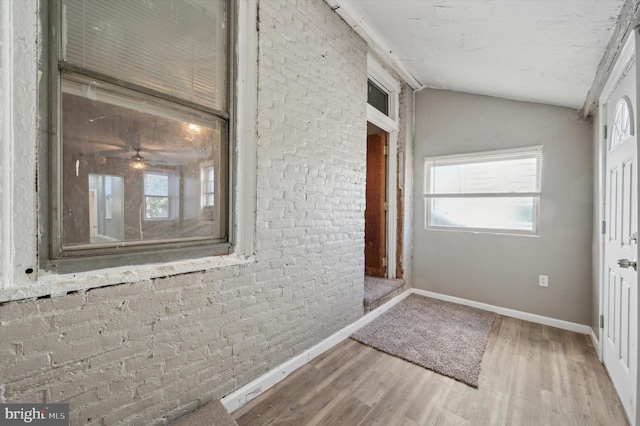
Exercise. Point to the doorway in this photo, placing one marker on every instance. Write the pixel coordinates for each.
(375, 215)
(383, 227)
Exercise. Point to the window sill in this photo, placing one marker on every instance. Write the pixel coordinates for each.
(483, 231)
(54, 285)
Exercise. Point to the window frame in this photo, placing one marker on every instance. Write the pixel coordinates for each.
(52, 256)
(525, 152)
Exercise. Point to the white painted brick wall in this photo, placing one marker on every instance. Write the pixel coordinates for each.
(147, 352)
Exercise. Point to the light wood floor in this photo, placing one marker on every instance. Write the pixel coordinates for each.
(531, 375)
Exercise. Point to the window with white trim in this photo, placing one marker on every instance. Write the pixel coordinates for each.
(149, 103)
(156, 195)
(496, 191)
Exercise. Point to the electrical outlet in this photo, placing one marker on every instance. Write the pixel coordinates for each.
(543, 281)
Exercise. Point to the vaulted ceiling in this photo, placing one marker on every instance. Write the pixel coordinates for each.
(544, 51)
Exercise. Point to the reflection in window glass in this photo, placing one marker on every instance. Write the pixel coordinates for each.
(208, 185)
(156, 195)
(156, 150)
(108, 207)
(106, 201)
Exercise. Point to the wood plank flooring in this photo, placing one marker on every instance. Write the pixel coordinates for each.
(531, 375)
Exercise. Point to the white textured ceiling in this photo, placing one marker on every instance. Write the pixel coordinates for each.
(543, 51)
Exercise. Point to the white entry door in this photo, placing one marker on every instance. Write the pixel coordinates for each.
(621, 249)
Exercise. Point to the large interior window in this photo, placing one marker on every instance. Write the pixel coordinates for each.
(141, 100)
(496, 191)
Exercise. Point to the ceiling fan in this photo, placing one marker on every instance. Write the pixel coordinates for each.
(138, 162)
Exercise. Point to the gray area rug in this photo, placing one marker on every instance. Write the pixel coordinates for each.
(445, 337)
(376, 288)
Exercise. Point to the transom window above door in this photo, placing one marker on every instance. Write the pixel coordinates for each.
(377, 98)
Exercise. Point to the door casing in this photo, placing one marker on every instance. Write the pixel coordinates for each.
(390, 124)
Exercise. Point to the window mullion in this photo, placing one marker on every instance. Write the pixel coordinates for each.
(69, 68)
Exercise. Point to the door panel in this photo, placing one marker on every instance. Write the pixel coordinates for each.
(375, 213)
(625, 301)
(613, 203)
(620, 293)
(611, 297)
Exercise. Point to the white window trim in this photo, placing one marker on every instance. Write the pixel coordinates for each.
(498, 231)
(389, 124)
(19, 229)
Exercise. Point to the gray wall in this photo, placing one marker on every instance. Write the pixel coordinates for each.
(498, 269)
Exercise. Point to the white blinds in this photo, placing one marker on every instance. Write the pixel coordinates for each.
(509, 172)
(171, 46)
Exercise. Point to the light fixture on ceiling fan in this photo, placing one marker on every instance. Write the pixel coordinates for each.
(137, 161)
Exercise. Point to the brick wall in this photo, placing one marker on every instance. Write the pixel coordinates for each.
(147, 352)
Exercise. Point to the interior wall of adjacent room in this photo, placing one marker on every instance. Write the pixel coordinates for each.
(503, 270)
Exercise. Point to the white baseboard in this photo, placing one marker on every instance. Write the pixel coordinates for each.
(539, 319)
(251, 390)
(596, 342)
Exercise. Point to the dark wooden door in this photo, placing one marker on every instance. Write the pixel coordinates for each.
(375, 212)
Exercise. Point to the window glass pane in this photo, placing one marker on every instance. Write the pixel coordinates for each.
(378, 98)
(516, 175)
(156, 184)
(153, 151)
(484, 213)
(157, 207)
(621, 127)
(172, 46)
